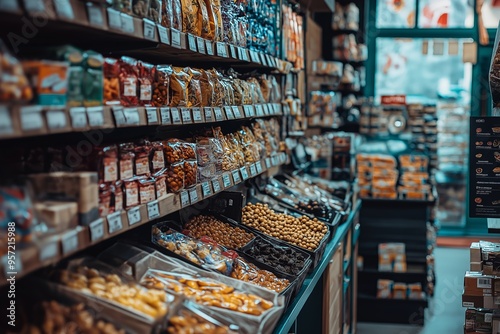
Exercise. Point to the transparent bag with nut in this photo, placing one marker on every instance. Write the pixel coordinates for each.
(188, 150)
(204, 153)
(172, 151)
(190, 173)
(228, 160)
(175, 177)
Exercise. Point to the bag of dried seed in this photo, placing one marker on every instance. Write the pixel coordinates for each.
(207, 89)
(189, 11)
(179, 81)
(194, 87)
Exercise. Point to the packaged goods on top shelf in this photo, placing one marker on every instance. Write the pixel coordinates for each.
(346, 48)
(322, 110)
(345, 17)
(388, 289)
(293, 37)
(392, 257)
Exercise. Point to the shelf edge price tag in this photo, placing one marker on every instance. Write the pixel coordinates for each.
(152, 115)
(49, 250)
(218, 114)
(197, 115)
(64, 9)
(96, 230)
(56, 119)
(268, 163)
(192, 43)
(201, 45)
(153, 210)
(221, 49)
(226, 181)
(253, 170)
(131, 116)
(114, 19)
(216, 185)
(69, 242)
(244, 173)
(229, 113)
(175, 38)
(207, 191)
(119, 116)
(95, 116)
(31, 118)
(6, 126)
(176, 117)
(236, 176)
(114, 222)
(184, 199)
(234, 54)
(94, 15)
(208, 114)
(149, 30)
(163, 34)
(186, 115)
(127, 22)
(78, 117)
(209, 47)
(134, 215)
(258, 166)
(193, 195)
(236, 112)
(165, 115)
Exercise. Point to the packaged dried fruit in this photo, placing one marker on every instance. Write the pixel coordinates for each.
(210, 32)
(93, 79)
(190, 173)
(173, 152)
(249, 272)
(154, 12)
(194, 87)
(204, 152)
(204, 20)
(177, 15)
(124, 6)
(188, 150)
(146, 78)
(219, 25)
(111, 81)
(236, 148)
(190, 22)
(179, 82)
(218, 87)
(128, 81)
(14, 85)
(140, 8)
(207, 89)
(228, 91)
(161, 86)
(166, 13)
(175, 177)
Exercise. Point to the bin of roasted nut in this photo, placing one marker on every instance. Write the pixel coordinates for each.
(58, 318)
(221, 232)
(203, 254)
(103, 284)
(207, 292)
(175, 177)
(308, 234)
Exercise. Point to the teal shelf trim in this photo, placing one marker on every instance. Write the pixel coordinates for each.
(346, 265)
(346, 286)
(310, 282)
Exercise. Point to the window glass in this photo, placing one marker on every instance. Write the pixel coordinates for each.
(423, 69)
(446, 14)
(396, 14)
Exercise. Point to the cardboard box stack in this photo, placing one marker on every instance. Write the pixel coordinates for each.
(481, 293)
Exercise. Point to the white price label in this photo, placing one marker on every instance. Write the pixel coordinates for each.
(95, 116)
(234, 53)
(165, 115)
(210, 48)
(208, 114)
(193, 195)
(218, 114)
(69, 242)
(186, 115)
(78, 117)
(266, 109)
(236, 176)
(6, 126)
(31, 118)
(134, 215)
(274, 160)
(207, 191)
(263, 59)
(36, 6)
(149, 30)
(9, 5)
(192, 43)
(127, 23)
(176, 117)
(229, 113)
(115, 222)
(236, 112)
(249, 111)
(201, 45)
(258, 166)
(64, 9)
(96, 230)
(163, 33)
(94, 15)
(253, 56)
(56, 119)
(12, 264)
(258, 110)
(176, 38)
(226, 181)
(277, 108)
(253, 170)
(244, 173)
(197, 115)
(484, 283)
(243, 54)
(153, 210)
(488, 317)
(49, 251)
(268, 163)
(184, 199)
(119, 116)
(221, 49)
(152, 114)
(216, 185)
(131, 116)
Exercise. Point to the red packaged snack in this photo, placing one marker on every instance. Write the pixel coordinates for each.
(131, 193)
(118, 195)
(147, 192)
(161, 183)
(146, 78)
(105, 207)
(128, 81)
(108, 168)
(161, 95)
(111, 81)
(157, 156)
(127, 157)
(142, 159)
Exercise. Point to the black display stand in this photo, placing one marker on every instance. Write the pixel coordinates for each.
(385, 221)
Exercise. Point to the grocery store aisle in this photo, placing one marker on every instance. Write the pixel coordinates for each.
(445, 313)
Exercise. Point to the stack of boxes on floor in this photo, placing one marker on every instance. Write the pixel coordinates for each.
(481, 293)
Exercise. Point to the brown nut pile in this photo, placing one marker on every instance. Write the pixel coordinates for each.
(58, 318)
(190, 173)
(188, 151)
(175, 177)
(249, 272)
(110, 286)
(222, 233)
(302, 232)
(187, 322)
(172, 152)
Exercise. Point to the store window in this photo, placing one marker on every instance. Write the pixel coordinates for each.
(396, 14)
(446, 14)
(423, 69)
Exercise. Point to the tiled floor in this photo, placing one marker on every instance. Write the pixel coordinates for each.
(445, 314)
